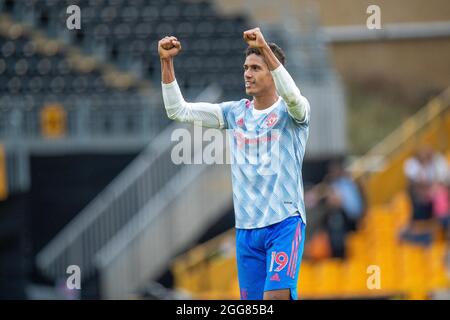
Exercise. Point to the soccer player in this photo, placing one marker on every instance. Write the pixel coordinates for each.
(268, 202)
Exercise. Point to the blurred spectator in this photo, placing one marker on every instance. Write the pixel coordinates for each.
(343, 207)
(428, 177)
(335, 223)
(319, 246)
(347, 194)
(427, 166)
(441, 207)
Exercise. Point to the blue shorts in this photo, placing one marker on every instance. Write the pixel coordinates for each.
(269, 258)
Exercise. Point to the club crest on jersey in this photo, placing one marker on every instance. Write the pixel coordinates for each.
(240, 122)
(271, 120)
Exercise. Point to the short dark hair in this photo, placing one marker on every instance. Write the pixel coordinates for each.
(278, 52)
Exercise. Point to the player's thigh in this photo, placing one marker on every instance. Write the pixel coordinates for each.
(284, 255)
(251, 263)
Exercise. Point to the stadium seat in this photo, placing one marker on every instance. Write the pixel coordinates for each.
(202, 30)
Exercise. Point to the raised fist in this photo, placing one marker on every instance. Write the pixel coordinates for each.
(168, 47)
(254, 38)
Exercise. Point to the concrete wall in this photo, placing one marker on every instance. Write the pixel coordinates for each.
(415, 67)
(342, 12)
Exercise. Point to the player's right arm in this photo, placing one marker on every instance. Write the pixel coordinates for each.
(208, 114)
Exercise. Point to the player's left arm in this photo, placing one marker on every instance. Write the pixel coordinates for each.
(298, 105)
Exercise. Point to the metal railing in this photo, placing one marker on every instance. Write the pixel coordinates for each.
(123, 122)
(86, 116)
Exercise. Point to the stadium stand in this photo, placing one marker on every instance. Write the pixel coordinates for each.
(119, 32)
(102, 81)
(37, 72)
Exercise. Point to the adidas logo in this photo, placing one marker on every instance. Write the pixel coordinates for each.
(275, 277)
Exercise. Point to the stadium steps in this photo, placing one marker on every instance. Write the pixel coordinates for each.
(406, 270)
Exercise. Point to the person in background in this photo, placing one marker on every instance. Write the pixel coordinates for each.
(342, 203)
(349, 198)
(428, 178)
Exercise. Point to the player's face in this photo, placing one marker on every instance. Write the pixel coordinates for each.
(257, 76)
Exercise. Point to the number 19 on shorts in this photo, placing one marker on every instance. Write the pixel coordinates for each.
(280, 259)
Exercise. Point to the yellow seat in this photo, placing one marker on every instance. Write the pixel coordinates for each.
(354, 277)
(329, 278)
(414, 270)
(400, 208)
(221, 272)
(307, 280)
(356, 244)
(436, 256)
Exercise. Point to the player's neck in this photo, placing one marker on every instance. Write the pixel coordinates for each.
(264, 102)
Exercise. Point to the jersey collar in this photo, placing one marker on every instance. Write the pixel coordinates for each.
(257, 112)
